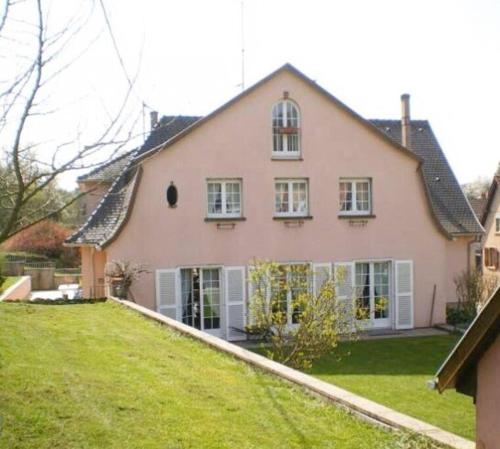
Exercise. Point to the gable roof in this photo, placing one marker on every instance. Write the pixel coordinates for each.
(451, 210)
(447, 200)
(459, 369)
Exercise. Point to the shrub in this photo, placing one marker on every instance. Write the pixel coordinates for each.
(473, 288)
(319, 319)
(45, 238)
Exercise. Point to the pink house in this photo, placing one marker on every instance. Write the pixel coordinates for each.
(286, 172)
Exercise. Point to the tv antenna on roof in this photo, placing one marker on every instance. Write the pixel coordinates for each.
(242, 45)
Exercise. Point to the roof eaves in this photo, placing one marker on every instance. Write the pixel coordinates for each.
(130, 204)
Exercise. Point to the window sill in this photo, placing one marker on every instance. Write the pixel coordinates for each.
(223, 219)
(292, 218)
(355, 216)
(276, 157)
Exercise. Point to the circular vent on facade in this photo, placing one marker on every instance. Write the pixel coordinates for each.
(172, 195)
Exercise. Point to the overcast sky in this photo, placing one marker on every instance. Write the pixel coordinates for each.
(445, 53)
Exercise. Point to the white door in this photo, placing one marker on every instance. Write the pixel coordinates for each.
(372, 293)
(201, 295)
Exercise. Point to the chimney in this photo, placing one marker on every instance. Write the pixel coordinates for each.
(154, 119)
(405, 121)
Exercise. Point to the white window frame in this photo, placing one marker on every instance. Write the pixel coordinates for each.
(354, 210)
(290, 212)
(286, 153)
(223, 183)
(497, 223)
(287, 265)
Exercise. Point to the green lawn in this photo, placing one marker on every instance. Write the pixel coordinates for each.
(394, 372)
(100, 376)
(9, 280)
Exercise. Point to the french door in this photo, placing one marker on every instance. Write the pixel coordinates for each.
(201, 299)
(372, 293)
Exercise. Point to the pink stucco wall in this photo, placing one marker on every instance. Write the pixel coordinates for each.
(237, 144)
(488, 399)
(93, 265)
(491, 238)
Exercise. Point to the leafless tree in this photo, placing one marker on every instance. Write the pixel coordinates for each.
(37, 53)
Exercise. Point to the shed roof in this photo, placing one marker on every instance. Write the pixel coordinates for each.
(459, 369)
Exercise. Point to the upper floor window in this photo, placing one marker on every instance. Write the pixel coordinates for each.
(355, 196)
(286, 127)
(491, 258)
(224, 198)
(497, 223)
(291, 198)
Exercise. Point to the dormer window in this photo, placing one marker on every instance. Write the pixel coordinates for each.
(286, 129)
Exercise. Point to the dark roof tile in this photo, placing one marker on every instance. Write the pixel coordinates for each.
(446, 197)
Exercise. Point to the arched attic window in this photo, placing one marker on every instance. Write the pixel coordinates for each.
(286, 129)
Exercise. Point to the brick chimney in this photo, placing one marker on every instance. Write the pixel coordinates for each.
(153, 115)
(405, 121)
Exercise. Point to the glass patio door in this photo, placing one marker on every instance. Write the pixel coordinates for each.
(372, 287)
(201, 299)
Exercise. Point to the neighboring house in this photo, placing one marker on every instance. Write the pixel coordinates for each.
(490, 219)
(476, 250)
(473, 368)
(286, 172)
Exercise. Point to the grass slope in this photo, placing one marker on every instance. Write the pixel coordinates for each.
(101, 376)
(394, 372)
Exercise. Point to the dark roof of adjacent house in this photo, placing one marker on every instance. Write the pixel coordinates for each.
(491, 194)
(459, 369)
(451, 210)
(478, 205)
(447, 200)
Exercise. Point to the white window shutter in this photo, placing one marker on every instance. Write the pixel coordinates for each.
(235, 303)
(404, 294)
(251, 292)
(344, 280)
(321, 273)
(167, 293)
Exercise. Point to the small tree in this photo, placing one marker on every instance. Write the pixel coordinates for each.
(122, 274)
(318, 318)
(473, 288)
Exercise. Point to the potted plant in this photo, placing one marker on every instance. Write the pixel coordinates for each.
(121, 275)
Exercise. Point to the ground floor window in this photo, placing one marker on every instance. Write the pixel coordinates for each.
(201, 297)
(372, 291)
(290, 281)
